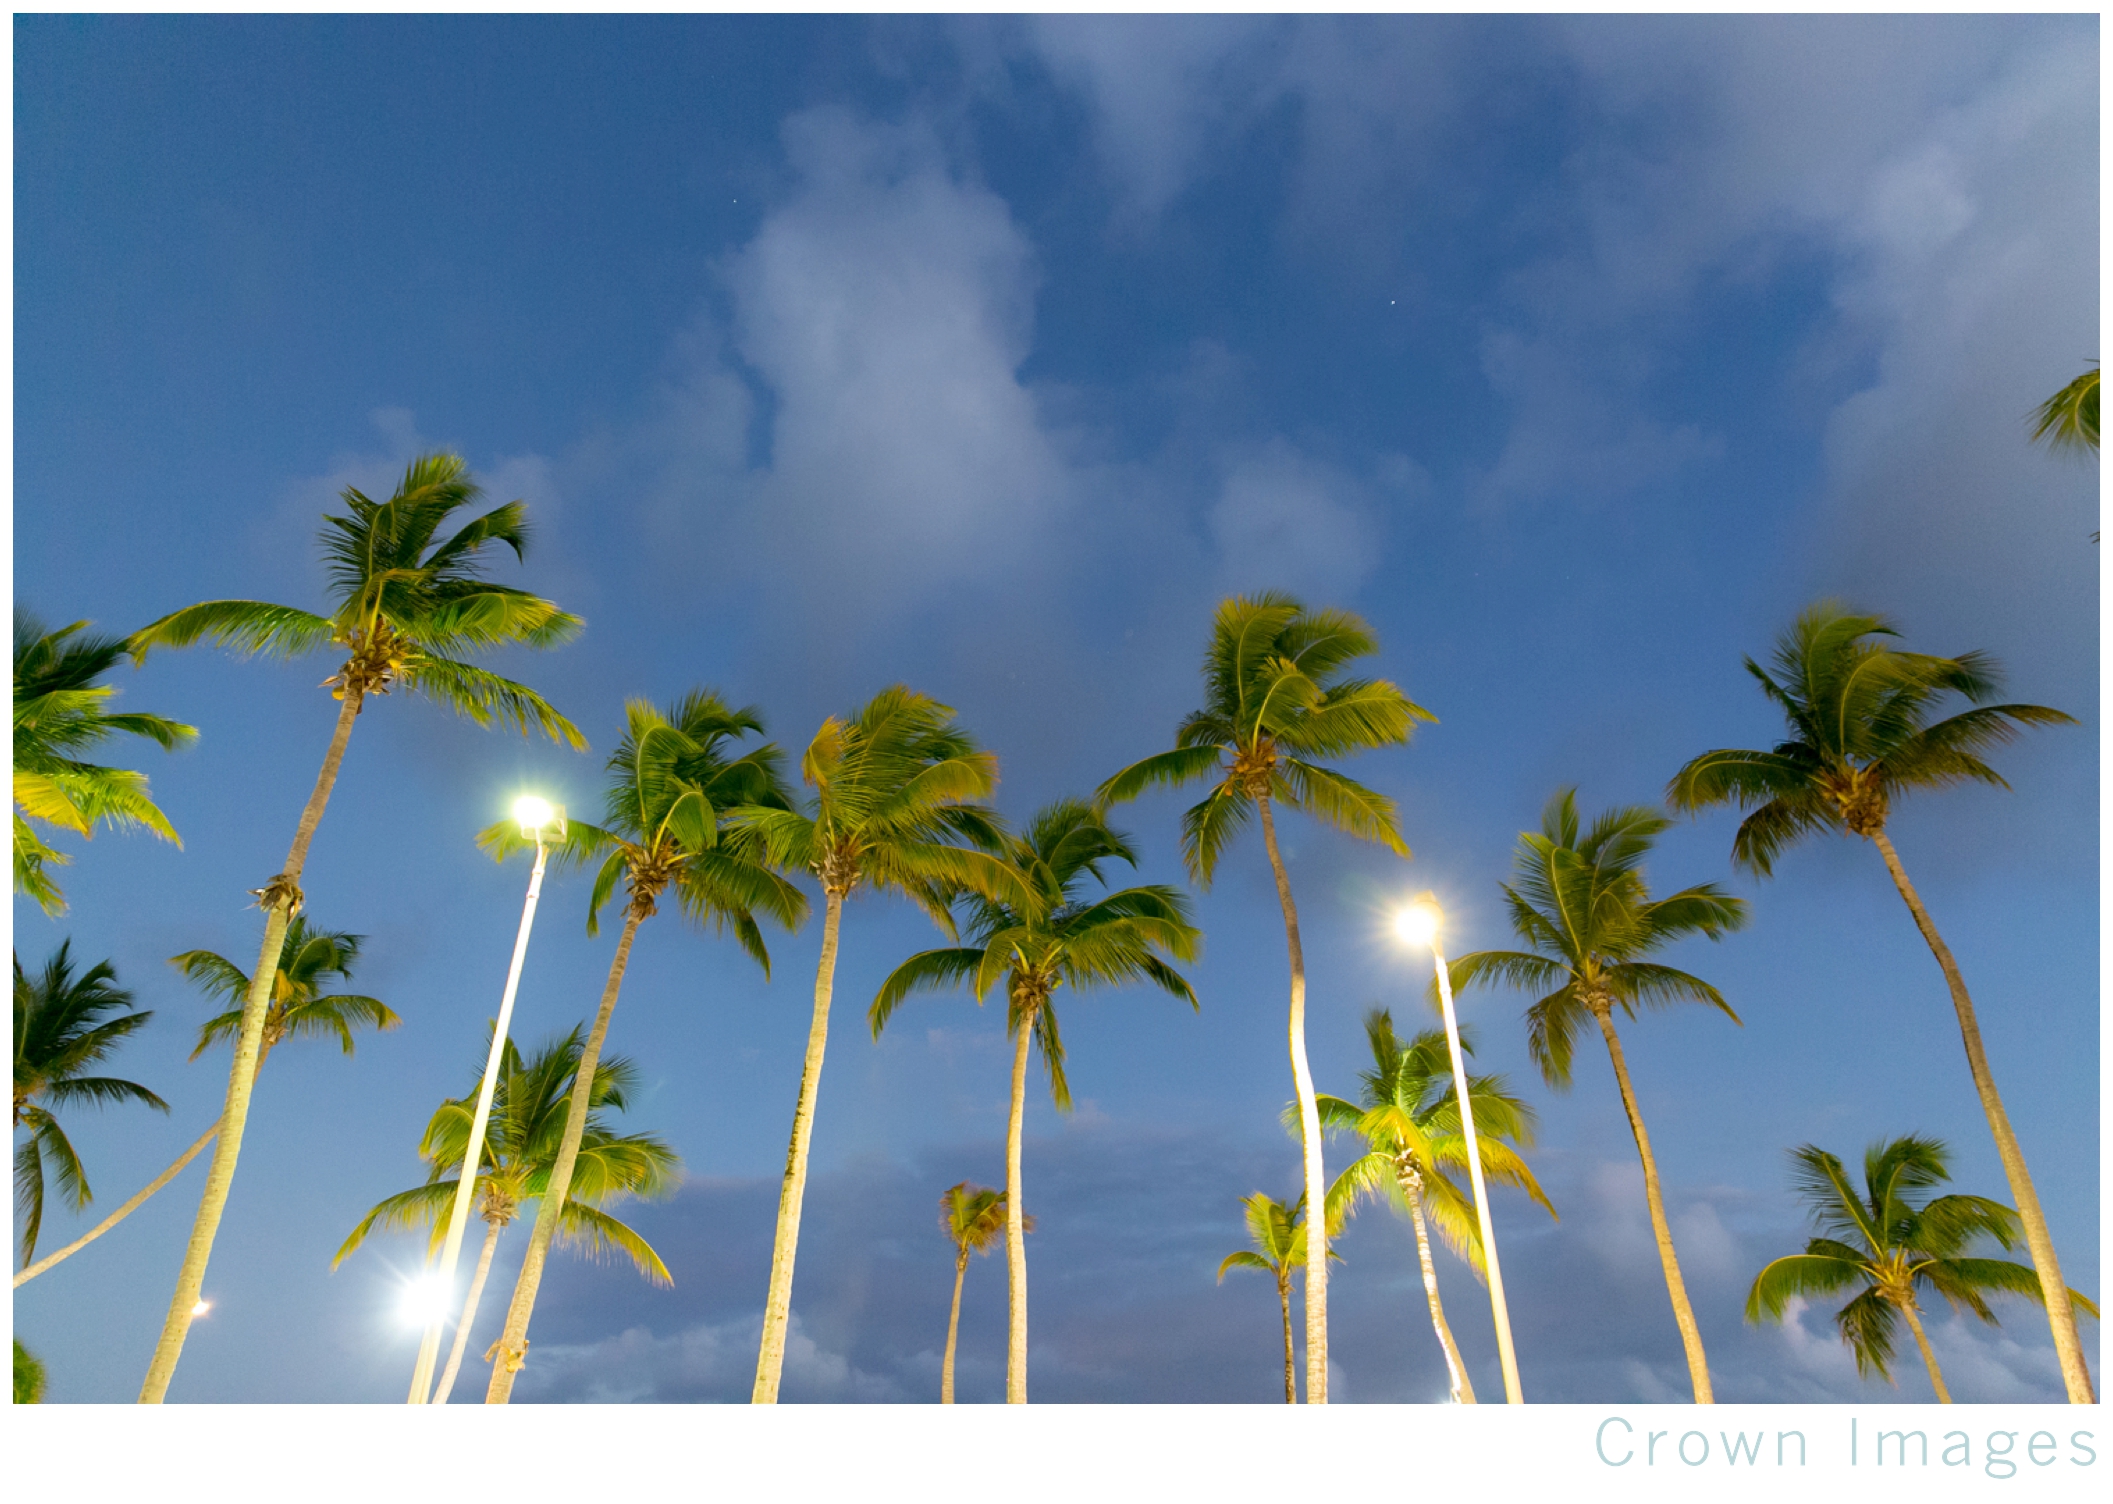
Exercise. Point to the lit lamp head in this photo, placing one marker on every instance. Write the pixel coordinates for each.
(1418, 923)
(199, 1308)
(538, 817)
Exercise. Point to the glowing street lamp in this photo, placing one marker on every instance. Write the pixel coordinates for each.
(540, 821)
(199, 1308)
(1418, 924)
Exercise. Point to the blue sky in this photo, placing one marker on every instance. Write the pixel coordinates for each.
(987, 356)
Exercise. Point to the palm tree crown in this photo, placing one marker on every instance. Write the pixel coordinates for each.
(59, 717)
(405, 601)
(521, 1146)
(1860, 735)
(673, 787)
(1581, 902)
(63, 1026)
(973, 1218)
(1891, 1241)
(1409, 1113)
(308, 958)
(1275, 698)
(1058, 939)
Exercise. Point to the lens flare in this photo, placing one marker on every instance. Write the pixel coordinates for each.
(532, 813)
(1418, 923)
(200, 1309)
(425, 1299)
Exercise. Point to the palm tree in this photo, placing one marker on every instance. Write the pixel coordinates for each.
(893, 790)
(1278, 1233)
(307, 958)
(1038, 947)
(521, 1145)
(1274, 699)
(971, 1216)
(1409, 1114)
(2069, 419)
(62, 1027)
(1582, 904)
(1861, 737)
(1888, 1241)
(59, 716)
(29, 1376)
(672, 784)
(403, 603)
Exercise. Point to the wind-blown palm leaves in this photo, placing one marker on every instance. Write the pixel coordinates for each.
(1890, 1242)
(673, 783)
(60, 717)
(64, 1026)
(1275, 699)
(2069, 419)
(972, 1217)
(1056, 940)
(522, 1143)
(407, 603)
(1409, 1113)
(1582, 904)
(308, 958)
(1860, 736)
(894, 797)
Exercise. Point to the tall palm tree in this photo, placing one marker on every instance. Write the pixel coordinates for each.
(894, 797)
(2069, 419)
(1582, 905)
(63, 1026)
(405, 599)
(673, 783)
(972, 1217)
(522, 1140)
(1275, 698)
(59, 716)
(1409, 1114)
(1889, 1241)
(1860, 736)
(307, 959)
(1038, 947)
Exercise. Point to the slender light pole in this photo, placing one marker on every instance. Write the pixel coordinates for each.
(538, 819)
(1418, 924)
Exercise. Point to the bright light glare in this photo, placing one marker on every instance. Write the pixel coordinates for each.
(201, 1308)
(425, 1299)
(1418, 923)
(533, 813)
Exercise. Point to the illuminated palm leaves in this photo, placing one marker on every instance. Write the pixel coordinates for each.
(63, 1026)
(1888, 1242)
(59, 718)
(406, 600)
(1859, 735)
(308, 958)
(1275, 699)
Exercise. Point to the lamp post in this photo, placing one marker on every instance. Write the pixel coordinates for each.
(539, 819)
(1418, 925)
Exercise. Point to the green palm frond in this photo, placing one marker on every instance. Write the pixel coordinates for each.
(1860, 734)
(2069, 419)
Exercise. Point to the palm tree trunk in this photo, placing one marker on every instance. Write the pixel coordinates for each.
(2061, 1316)
(282, 896)
(1683, 1313)
(1309, 1132)
(953, 1329)
(511, 1350)
(1463, 1389)
(1944, 1395)
(1015, 1229)
(777, 1306)
(469, 1315)
(121, 1213)
(1291, 1355)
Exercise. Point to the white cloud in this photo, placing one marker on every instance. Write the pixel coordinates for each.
(1287, 521)
(887, 306)
(701, 1363)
